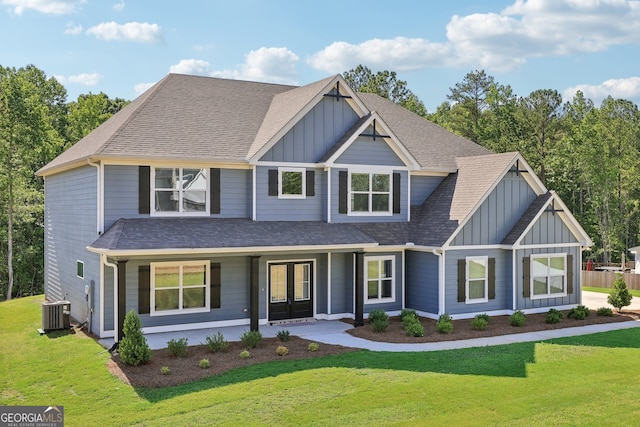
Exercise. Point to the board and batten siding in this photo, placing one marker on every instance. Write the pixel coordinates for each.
(422, 281)
(366, 151)
(422, 187)
(549, 228)
(503, 285)
(273, 208)
(314, 134)
(497, 215)
(70, 226)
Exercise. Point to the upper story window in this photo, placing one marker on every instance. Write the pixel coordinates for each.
(291, 183)
(180, 190)
(370, 193)
(548, 275)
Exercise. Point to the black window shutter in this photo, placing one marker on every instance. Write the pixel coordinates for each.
(462, 279)
(144, 289)
(214, 185)
(342, 192)
(273, 182)
(396, 192)
(526, 282)
(216, 284)
(569, 274)
(492, 278)
(311, 183)
(144, 189)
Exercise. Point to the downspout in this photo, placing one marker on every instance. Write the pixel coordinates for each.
(514, 274)
(115, 295)
(441, 290)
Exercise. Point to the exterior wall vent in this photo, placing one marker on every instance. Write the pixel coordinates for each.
(55, 315)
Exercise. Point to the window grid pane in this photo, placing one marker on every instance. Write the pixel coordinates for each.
(302, 282)
(278, 283)
(292, 183)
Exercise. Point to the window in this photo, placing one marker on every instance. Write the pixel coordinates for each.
(476, 285)
(291, 183)
(80, 269)
(548, 275)
(379, 279)
(180, 190)
(370, 193)
(179, 287)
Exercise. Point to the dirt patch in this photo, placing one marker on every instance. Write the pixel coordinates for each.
(184, 370)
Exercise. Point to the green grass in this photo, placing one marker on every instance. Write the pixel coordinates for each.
(608, 291)
(588, 380)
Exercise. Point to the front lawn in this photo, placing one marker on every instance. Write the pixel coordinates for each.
(588, 380)
(607, 291)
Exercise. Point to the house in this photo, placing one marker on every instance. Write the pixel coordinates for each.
(209, 202)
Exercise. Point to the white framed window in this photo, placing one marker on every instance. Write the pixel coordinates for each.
(477, 279)
(548, 275)
(80, 269)
(182, 191)
(292, 183)
(379, 279)
(370, 193)
(179, 287)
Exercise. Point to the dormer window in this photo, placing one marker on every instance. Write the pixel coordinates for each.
(370, 193)
(180, 191)
(291, 183)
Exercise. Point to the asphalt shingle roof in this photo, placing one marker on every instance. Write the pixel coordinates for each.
(526, 218)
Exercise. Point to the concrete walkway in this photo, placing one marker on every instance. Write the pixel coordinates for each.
(333, 332)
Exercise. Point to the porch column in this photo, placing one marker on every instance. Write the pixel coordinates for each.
(122, 297)
(359, 294)
(254, 291)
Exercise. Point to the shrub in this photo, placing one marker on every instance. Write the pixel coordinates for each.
(244, 354)
(414, 329)
(283, 335)
(133, 348)
(204, 363)
(483, 316)
(165, 370)
(619, 296)
(177, 348)
(604, 311)
(578, 313)
(313, 346)
(251, 338)
(410, 318)
(282, 350)
(444, 325)
(216, 343)
(379, 325)
(407, 312)
(553, 316)
(518, 318)
(378, 314)
(479, 323)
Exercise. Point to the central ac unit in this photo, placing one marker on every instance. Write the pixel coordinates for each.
(55, 315)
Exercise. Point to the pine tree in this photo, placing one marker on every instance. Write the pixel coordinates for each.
(619, 296)
(133, 348)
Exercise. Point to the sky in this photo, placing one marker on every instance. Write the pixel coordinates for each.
(122, 47)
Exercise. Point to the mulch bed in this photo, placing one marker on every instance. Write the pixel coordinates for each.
(185, 369)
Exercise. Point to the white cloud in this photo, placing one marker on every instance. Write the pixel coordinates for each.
(49, 7)
(72, 29)
(118, 6)
(196, 67)
(142, 87)
(628, 88)
(131, 31)
(84, 79)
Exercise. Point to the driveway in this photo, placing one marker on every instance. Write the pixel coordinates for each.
(595, 300)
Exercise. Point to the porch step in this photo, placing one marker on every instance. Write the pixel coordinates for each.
(291, 321)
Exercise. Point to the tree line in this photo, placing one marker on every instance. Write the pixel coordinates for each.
(588, 154)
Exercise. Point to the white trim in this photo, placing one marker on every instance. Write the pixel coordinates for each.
(180, 264)
(564, 276)
(179, 212)
(201, 325)
(514, 280)
(404, 275)
(408, 196)
(478, 247)
(380, 259)
(174, 162)
(550, 245)
(485, 261)
(460, 316)
(311, 261)
(299, 165)
(368, 168)
(115, 296)
(546, 309)
(442, 276)
(99, 195)
(254, 208)
(328, 170)
(303, 183)
(329, 282)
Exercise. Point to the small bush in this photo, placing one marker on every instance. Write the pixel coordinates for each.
(282, 350)
(553, 316)
(283, 335)
(251, 338)
(216, 343)
(204, 363)
(578, 313)
(378, 314)
(244, 354)
(407, 312)
(133, 348)
(444, 325)
(379, 325)
(479, 323)
(483, 316)
(409, 318)
(177, 348)
(414, 329)
(165, 370)
(604, 311)
(518, 318)
(313, 346)
(619, 296)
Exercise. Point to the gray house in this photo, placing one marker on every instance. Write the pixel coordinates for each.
(210, 202)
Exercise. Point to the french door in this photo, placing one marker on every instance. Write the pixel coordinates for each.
(290, 290)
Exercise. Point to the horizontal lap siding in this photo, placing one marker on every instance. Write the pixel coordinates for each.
(342, 282)
(422, 187)
(70, 226)
(504, 280)
(422, 281)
